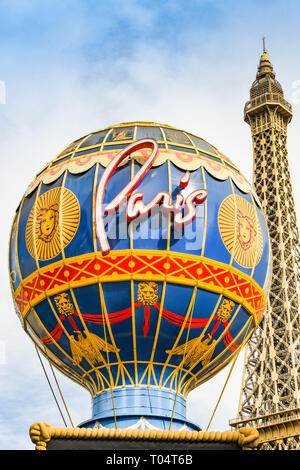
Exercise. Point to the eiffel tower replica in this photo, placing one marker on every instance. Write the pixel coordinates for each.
(270, 395)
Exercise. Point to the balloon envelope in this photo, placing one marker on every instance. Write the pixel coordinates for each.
(168, 305)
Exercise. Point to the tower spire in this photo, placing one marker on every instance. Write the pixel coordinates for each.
(265, 67)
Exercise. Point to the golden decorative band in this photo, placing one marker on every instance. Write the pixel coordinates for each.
(141, 265)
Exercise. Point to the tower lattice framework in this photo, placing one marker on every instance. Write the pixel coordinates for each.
(270, 395)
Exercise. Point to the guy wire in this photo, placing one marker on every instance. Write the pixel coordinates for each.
(229, 374)
(56, 381)
(192, 302)
(45, 372)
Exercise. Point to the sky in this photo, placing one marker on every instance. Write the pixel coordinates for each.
(70, 68)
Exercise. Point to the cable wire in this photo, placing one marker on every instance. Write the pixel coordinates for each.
(192, 305)
(229, 374)
(46, 375)
(53, 373)
(60, 392)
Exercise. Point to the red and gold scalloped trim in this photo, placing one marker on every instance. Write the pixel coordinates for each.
(183, 160)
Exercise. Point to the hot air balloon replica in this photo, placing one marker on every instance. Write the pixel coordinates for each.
(140, 264)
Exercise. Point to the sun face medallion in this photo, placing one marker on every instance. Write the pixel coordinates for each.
(52, 223)
(240, 230)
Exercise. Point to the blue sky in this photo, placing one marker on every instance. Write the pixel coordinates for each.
(76, 66)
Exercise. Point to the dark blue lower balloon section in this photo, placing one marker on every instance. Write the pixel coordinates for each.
(113, 336)
(140, 408)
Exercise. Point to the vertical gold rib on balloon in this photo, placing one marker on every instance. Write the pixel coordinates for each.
(220, 338)
(106, 342)
(221, 394)
(100, 377)
(235, 224)
(234, 357)
(269, 266)
(107, 354)
(130, 224)
(216, 343)
(105, 322)
(50, 363)
(157, 330)
(154, 375)
(62, 207)
(120, 365)
(59, 364)
(195, 382)
(191, 303)
(60, 215)
(40, 325)
(136, 378)
(94, 208)
(70, 217)
(164, 136)
(95, 369)
(118, 376)
(248, 247)
(170, 197)
(17, 237)
(85, 329)
(189, 371)
(12, 240)
(179, 368)
(211, 374)
(205, 213)
(34, 227)
(171, 377)
(257, 224)
(102, 300)
(134, 133)
(132, 297)
(68, 336)
(147, 371)
(104, 312)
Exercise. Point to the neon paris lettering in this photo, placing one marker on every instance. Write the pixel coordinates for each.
(135, 205)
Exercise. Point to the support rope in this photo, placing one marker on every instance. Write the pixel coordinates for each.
(193, 298)
(60, 392)
(55, 378)
(46, 375)
(229, 374)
